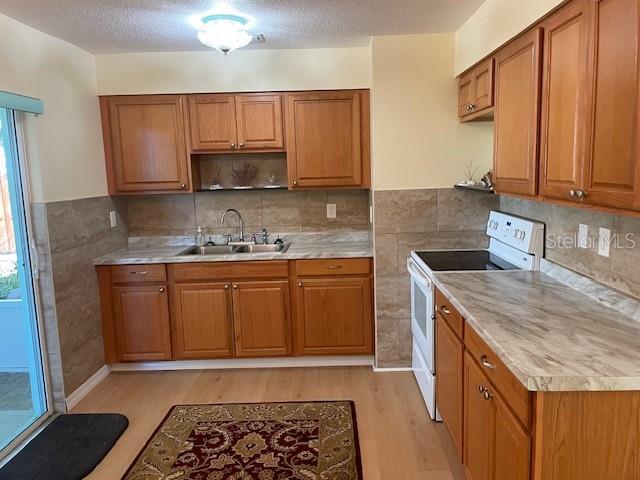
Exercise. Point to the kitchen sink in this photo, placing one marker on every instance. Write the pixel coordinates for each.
(227, 249)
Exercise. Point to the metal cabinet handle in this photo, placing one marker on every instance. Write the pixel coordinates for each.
(445, 310)
(486, 363)
(233, 145)
(487, 395)
(482, 389)
(161, 289)
(581, 194)
(235, 287)
(226, 286)
(242, 145)
(183, 185)
(572, 193)
(295, 182)
(143, 272)
(300, 284)
(334, 267)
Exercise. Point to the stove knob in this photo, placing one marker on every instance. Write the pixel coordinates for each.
(516, 232)
(521, 235)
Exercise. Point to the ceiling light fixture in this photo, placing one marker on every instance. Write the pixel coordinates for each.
(225, 32)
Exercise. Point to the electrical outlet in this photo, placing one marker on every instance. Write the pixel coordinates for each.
(331, 210)
(583, 236)
(604, 242)
(113, 219)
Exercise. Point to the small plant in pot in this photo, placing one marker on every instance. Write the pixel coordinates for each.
(244, 176)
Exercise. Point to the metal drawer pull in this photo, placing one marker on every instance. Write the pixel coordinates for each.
(487, 395)
(162, 289)
(487, 363)
(235, 286)
(334, 267)
(445, 310)
(300, 284)
(226, 286)
(138, 273)
(482, 389)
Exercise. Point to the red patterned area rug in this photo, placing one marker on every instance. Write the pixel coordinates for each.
(253, 441)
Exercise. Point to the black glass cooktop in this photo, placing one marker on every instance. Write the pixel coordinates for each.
(452, 260)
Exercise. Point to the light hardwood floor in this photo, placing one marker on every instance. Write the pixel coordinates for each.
(397, 438)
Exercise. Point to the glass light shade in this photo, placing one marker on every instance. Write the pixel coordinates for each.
(224, 34)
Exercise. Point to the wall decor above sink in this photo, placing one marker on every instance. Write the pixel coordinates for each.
(222, 171)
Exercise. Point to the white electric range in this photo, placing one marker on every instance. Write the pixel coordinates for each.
(515, 244)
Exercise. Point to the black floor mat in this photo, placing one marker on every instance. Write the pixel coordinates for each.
(69, 448)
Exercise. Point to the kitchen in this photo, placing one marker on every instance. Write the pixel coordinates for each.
(279, 223)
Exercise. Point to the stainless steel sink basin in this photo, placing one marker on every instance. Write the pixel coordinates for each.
(227, 249)
(274, 248)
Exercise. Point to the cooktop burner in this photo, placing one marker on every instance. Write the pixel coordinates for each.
(453, 260)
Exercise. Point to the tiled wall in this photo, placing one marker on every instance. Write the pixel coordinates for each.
(619, 271)
(406, 220)
(70, 234)
(277, 210)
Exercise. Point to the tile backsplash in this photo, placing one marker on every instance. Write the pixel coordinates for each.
(406, 220)
(619, 270)
(276, 210)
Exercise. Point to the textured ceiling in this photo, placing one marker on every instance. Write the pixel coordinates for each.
(111, 26)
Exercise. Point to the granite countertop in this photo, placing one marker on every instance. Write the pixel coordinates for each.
(337, 247)
(551, 336)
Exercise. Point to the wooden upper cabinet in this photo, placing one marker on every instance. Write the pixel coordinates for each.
(328, 139)
(212, 119)
(449, 379)
(334, 316)
(202, 320)
(223, 122)
(259, 121)
(564, 100)
(516, 113)
(612, 177)
(261, 318)
(475, 91)
(145, 143)
(141, 315)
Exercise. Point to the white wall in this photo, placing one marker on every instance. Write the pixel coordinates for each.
(495, 22)
(65, 144)
(417, 139)
(241, 71)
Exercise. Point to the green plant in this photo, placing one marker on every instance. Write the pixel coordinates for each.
(8, 283)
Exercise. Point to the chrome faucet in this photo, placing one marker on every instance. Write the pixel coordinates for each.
(241, 239)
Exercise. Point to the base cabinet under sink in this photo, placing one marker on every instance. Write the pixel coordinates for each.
(248, 309)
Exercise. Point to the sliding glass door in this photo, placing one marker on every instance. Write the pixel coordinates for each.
(23, 397)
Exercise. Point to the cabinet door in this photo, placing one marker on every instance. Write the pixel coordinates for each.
(261, 318)
(324, 134)
(482, 86)
(142, 322)
(202, 320)
(449, 379)
(148, 144)
(259, 122)
(613, 173)
(465, 94)
(564, 96)
(512, 445)
(212, 122)
(334, 316)
(516, 113)
(479, 424)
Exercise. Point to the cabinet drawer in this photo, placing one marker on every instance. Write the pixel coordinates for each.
(333, 266)
(138, 273)
(449, 314)
(514, 393)
(220, 271)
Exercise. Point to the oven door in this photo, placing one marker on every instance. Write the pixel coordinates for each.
(422, 312)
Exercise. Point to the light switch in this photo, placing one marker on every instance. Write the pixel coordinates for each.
(331, 210)
(583, 236)
(113, 219)
(604, 242)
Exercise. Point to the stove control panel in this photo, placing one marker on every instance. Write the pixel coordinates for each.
(521, 233)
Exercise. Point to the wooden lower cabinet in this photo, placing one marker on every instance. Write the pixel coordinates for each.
(496, 446)
(141, 314)
(261, 318)
(449, 379)
(202, 321)
(334, 316)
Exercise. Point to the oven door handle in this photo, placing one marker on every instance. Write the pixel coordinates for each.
(417, 274)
